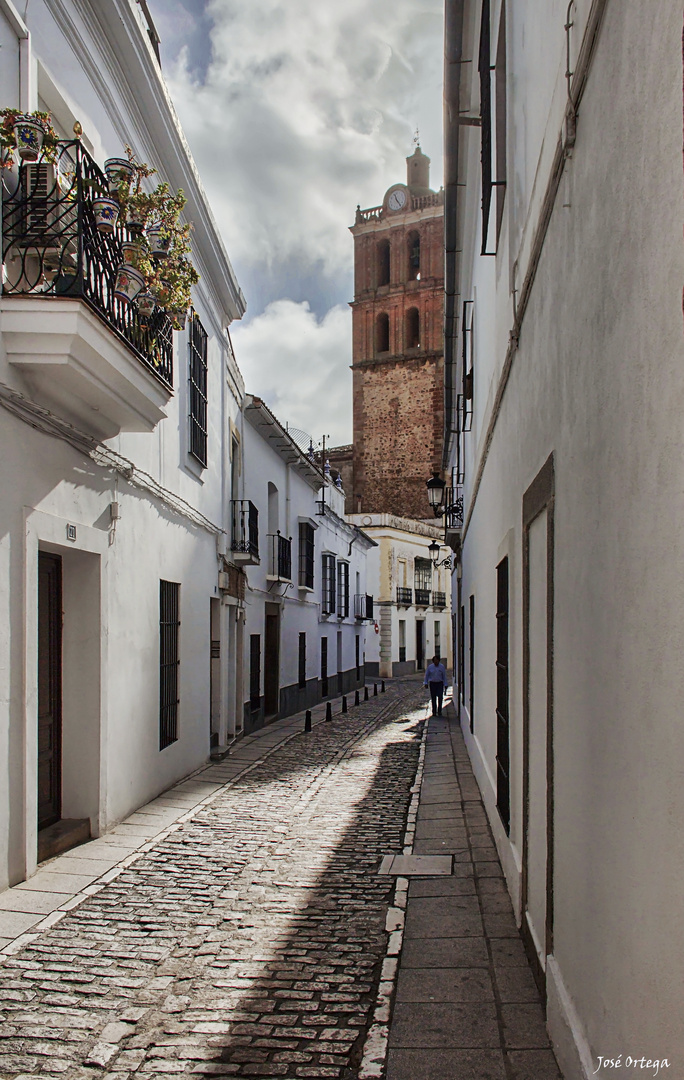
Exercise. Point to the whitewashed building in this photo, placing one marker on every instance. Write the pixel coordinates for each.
(565, 380)
(306, 606)
(118, 590)
(412, 595)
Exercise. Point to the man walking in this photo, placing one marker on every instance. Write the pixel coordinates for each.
(436, 679)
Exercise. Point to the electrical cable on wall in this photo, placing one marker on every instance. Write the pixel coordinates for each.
(41, 419)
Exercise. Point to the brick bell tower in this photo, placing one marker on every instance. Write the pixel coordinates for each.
(398, 350)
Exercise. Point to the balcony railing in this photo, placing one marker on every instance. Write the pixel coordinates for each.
(51, 247)
(363, 606)
(439, 599)
(404, 596)
(245, 532)
(280, 562)
(422, 597)
(453, 507)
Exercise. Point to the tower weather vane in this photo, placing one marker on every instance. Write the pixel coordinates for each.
(416, 138)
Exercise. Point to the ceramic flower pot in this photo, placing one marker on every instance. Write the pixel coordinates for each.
(118, 171)
(178, 318)
(131, 252)
(29, 134)
(159, 243)
(106, 212)
(129, 282)
(145, 303)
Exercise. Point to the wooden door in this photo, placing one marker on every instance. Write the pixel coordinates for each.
(272, 661)
(49, 689)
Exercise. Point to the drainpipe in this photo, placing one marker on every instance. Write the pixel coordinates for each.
(453, 47)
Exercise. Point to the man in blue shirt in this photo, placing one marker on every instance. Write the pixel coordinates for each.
(436, 679)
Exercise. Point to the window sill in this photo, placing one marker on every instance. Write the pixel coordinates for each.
(305, 589)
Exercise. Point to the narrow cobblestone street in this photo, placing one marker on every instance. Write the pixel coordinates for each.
(250, 939)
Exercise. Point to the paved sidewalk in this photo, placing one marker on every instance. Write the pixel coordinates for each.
(466, 1006)
(63, 882)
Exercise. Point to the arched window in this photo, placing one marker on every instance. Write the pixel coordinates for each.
(383, 263)
(412, 328)
(382, 333)
(414, 256)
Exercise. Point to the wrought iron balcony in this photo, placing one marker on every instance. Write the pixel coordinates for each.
(51, 248)
(404, 597)
(422, 597)
(439, 599)
(363, 606)
(453, 508)
(245, 531)
(280, 560)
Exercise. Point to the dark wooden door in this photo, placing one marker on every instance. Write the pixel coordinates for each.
(49, 689)
(420, 644)
(272, 661)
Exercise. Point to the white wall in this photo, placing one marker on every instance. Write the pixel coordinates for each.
(597, 380)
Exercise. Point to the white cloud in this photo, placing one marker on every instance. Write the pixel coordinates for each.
(297, 110)
(300, 366)
(308, 107)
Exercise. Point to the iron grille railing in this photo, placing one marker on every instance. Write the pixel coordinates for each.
(306, 555)
(439, 599)
(328, 597)
(281, 557)
(342, 590)
(51, 247)
(453, 509)
(404, 596)
(363, 606)
(197, 380)
(245, 528)
(422, 597)
(169, 661)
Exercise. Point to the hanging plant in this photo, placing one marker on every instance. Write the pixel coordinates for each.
(160, 246)
(30, 136)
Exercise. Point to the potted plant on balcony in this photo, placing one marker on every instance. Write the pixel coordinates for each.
(29, 135)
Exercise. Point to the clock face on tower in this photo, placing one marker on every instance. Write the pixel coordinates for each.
(397, 199)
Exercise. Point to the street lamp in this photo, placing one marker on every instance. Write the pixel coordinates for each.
(435, 489)
(434, 548)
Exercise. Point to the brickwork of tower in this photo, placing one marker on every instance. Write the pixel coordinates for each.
(398, 351)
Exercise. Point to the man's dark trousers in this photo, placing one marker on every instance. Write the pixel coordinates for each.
(436, 693)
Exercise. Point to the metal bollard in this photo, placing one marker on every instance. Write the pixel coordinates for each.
(356, 698)
(375, 689)
(383, 686)
(328, 711)
(307, 720)
(344, 704)
(365, 693)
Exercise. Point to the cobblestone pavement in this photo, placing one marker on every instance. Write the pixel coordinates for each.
(247, 942)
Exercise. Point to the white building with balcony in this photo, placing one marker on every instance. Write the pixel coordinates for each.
(412, 607)
(564, 362)
(306, 603)
(119, 636)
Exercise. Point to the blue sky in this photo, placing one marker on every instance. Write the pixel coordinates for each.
(295, 111)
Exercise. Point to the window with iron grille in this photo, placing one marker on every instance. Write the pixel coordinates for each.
(306, 555)
(324, 667)
(343, 589)
(169, 661)
(197, 386)
(328, 595)
(357, 656)
(302, 661)
(254, 672)
(423, 574)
